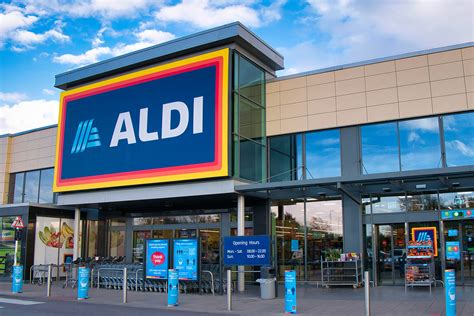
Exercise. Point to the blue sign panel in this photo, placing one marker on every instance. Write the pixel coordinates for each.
(452, 232)
(156, 258)
(290, 291)
(17, 279)
(457, 214)
(450, 292)
(294, 245)
(83, 283)
(452, 250)
(185, 258)
(247, 251)
(173, 287)
(141, 127)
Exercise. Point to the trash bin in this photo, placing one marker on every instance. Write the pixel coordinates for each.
(267, 283)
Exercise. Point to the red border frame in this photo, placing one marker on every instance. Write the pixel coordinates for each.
(149, 173)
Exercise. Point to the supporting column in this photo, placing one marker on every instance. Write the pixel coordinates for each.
(352, 225)
(241, 232)
(77, 228)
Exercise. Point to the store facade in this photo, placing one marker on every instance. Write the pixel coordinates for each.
(351, 157)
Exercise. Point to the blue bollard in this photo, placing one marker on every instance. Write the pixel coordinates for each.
(450, 292)
(290, 292)
(173, 287)
(17, 279)
(83, 277)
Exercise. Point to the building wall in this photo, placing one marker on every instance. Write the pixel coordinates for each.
(423, 85)
(23, 152)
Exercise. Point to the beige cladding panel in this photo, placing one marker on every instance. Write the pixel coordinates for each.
(411, 87)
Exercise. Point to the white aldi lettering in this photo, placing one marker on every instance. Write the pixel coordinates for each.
(124, 129)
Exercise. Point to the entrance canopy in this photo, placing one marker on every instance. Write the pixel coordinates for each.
(421, 181)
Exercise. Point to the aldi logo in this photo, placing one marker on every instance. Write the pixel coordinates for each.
(162, 124)
(86, 137)
(421, 234)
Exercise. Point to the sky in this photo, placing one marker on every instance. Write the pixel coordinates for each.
(42, 38)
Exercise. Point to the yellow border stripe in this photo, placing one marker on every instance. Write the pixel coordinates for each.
(223, 171)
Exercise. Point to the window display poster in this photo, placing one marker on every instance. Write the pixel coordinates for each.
(294, 245)
(422, 234)
(54, 241)
(156, 258)
(185, 258)
(452, 250)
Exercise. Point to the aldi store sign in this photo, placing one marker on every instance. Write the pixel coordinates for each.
(166, 123)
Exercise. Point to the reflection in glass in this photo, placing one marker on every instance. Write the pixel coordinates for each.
(456, 200)
(46, 186)
(139, 238)
(422, 202)
(459, 139)
(210, 244)
(380, 148)
(117, 243)
(32, 186)
(420, 144)
(18, 187)
(389, 204)
(251, 120)
(323, 154)
(324, 232)
(285, 157)
(252, 160)
(251, 81)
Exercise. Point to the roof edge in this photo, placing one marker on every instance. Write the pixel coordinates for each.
(375, 60)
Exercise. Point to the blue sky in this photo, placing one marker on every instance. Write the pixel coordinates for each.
(41, 38)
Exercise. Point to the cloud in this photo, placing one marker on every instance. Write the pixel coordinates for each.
(12, 97)
(461, 147)
(49, 92)
(102, 9)
(429, 124)
(365, 29)
(206, 13)
(12, 21)
(27, 115)
(414, 137)
(144, 38)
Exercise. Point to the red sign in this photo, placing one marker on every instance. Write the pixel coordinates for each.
(157, 258)
(18, 223)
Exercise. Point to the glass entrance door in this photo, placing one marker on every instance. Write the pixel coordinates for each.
(460, 234)
(391, 254)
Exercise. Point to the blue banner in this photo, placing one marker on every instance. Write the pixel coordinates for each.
(294, 245)
(457, 214)
(83, 277)
(450, 292)
(452, 250)
(173, 287)
(156, 264)
(17, 279)
(247, 250)
(290, 291)
(185, 258)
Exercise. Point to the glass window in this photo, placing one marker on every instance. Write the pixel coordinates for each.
(380, 148)
(459, 139)
(389, 204)
(46, 186)
(249, 120)
(19, 179)
(456, 200)
(251, 81)
(252, 118)
(139, 238)
(252, 160)
(420, 144)
(286, 157)
(32, 186)
(117, 243)
(422, 202)
(323, 154)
